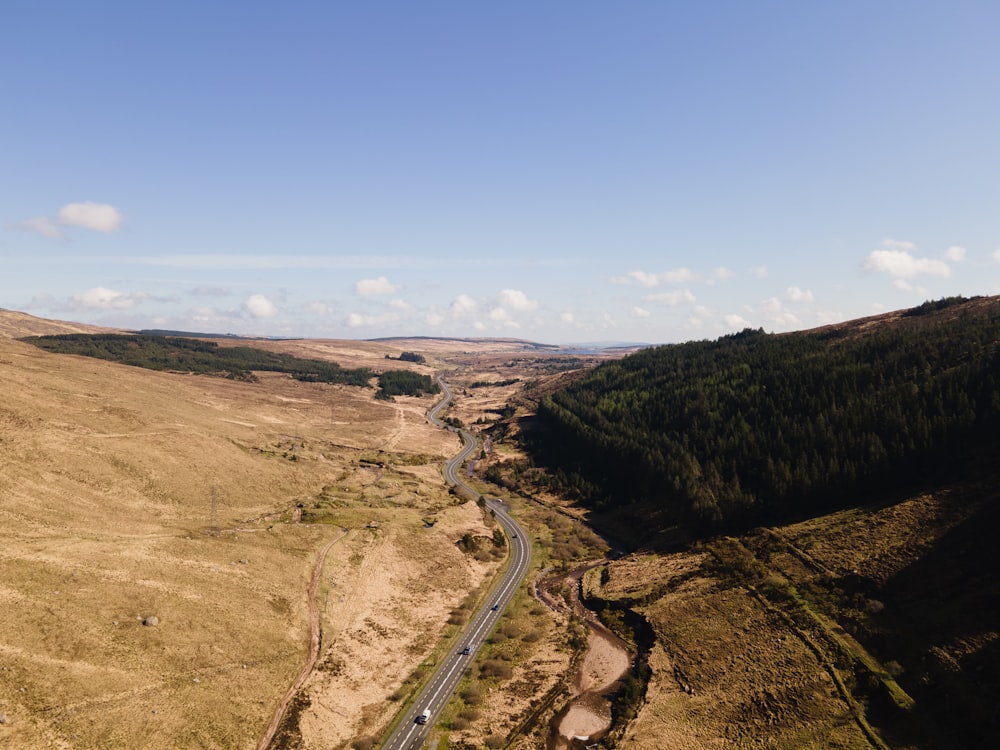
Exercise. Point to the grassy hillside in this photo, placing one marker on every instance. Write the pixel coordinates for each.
(128, 493)
(816, 516)
(872, 627)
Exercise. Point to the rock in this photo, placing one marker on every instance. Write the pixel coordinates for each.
(3, 718)
(151, 622)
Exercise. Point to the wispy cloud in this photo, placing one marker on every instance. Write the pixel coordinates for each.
(673, 299)
(360, 320)
(651, 280)
(98, 217)
(321, 309)
(210, 291)
(955, 253)
(42, 225)
(774, 312)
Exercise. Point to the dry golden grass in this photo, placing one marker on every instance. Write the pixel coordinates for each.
(127, 493)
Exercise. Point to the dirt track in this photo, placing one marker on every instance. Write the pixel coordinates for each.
(314, 641)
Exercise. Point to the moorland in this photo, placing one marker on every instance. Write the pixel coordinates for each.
(168, 538)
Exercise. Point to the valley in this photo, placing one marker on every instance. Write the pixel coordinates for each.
(189, 558)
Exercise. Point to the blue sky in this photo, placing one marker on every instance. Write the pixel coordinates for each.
(556, 171)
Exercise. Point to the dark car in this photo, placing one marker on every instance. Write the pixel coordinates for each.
(495, 607)
(466, 651)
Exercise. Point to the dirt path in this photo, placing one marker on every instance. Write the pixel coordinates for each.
(314, 638)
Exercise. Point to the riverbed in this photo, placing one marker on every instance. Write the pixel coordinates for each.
(587, 715)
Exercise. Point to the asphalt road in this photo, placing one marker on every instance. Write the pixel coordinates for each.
(435, 694)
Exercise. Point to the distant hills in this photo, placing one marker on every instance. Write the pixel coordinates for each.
(15, 324)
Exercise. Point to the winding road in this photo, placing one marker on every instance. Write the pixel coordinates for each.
(409, 733)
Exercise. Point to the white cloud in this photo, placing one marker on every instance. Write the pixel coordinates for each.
(567, 317)
(358, 320)
(722, 273)
(650, 280)
(434, 319)
(799, 295)
(996, 255)
(463, 304)
(955, 253)
(42, 225)
(401, 305)
(775, 312)
(517, 301)
(771, 305)
(759, 272)
(638, 312)
(375, 287)
(499, 315)
(259, 306)
(895, 259)
(892, 244)
(736, 321)
(101, 217)
(677, 276)
(102, 298)
(673, 299)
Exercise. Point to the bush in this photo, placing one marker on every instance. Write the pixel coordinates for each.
(472, 695)
(496, 668)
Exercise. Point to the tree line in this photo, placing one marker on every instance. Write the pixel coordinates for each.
(181, 354)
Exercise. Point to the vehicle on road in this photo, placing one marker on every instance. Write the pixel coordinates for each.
(495, 607)
(466, 651)
(422, 719)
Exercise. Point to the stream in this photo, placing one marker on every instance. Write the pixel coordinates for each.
(587, 715)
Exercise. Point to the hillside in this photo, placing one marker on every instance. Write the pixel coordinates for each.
(757, 428)
(840, 609)
(15, 325)
(129, 494)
